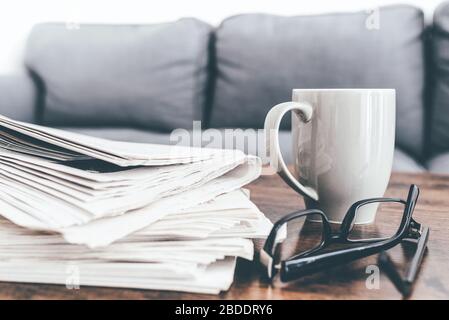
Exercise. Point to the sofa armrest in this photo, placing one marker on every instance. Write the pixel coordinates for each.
(18, 96)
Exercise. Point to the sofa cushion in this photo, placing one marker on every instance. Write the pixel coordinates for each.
(260, 58)
(254, 143)
(18, 97)
(439, 125)
(402, 162)
(439, 164)
(151, 76)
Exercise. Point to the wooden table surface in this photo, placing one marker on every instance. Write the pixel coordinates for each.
(275, 199)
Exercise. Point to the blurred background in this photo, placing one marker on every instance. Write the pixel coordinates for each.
(18, 17)
(137, 70)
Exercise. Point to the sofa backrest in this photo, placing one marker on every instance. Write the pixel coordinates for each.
(151, 76)
(260, 58)
(439, 118)
(156, 76)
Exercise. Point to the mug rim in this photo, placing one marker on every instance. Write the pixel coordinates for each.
(345, 90)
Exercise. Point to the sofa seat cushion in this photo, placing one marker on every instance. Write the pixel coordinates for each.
(149, 76)
(123, 134)
(403, 162)
(439, 163)
(260, 58)
(250, 141)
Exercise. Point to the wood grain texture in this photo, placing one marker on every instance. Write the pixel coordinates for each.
(275, 199)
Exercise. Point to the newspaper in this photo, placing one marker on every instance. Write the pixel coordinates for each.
(45, 192)
(125, 214)
(191, 250)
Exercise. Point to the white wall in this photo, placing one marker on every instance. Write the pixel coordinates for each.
(18, 16)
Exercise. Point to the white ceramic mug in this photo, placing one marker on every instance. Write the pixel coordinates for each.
(343, 144)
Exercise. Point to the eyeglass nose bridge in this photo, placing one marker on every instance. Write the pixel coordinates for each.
(348, 220)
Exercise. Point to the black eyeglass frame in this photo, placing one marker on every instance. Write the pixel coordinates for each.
(404, 284)
(311, 261)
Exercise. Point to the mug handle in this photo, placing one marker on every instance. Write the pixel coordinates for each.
(271, 128)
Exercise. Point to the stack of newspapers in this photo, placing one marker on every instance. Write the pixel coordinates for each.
(77, 210)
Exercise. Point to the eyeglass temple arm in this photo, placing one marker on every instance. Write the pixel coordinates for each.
(292, 269)
(405, 285)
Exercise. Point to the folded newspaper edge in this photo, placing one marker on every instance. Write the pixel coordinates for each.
(116, 152)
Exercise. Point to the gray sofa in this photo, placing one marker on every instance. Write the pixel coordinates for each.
(139, 82)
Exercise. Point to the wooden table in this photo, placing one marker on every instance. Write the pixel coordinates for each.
(274, 198)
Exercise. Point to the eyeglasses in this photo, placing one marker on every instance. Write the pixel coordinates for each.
(394, 224)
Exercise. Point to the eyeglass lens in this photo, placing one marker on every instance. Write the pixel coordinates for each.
(386, 224)
(303, 235)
